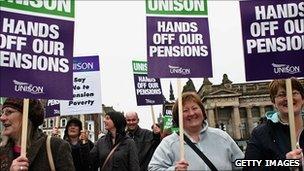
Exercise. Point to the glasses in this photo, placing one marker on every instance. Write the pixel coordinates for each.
(7, 112)
(283, 94)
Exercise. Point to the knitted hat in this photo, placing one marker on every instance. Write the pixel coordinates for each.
(36, 110)
(75, 121)
(119, 121)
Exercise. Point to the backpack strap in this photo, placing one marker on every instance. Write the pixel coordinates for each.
(49, 153)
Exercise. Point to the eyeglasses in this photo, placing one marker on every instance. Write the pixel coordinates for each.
(7, 112)
(283, 94)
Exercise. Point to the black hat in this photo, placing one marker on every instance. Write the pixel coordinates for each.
(119, 121)
(36, 110)
(75, 121)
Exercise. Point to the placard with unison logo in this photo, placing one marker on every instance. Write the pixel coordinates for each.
(273, 39)
(148, 90)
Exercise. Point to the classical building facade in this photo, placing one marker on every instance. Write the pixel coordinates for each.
(234, 107)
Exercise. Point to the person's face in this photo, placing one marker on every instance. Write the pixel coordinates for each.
(132, 121)
(73, 130)
(192, 115)
(108, 123)
(280, 101)
(12, 121)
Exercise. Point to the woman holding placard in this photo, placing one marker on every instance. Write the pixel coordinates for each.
(218, 147)
(271, 140)
(114, 151)
(36, 154)
(79, 142)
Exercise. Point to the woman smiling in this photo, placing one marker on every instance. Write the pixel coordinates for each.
(36, 153)
(215, 144)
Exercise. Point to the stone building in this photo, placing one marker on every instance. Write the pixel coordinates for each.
(234, 107)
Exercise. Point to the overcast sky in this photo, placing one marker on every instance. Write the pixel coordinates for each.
(116, 31)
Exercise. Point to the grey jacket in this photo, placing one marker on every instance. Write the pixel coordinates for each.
(216, 144)
(37, 154)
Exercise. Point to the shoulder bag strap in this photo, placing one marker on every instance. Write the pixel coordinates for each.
(109, 155)
(200, 153)
(49, 153)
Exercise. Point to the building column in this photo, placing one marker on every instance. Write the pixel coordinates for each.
(262, 111)
(236, 120)
(249, 119)
(210, 113)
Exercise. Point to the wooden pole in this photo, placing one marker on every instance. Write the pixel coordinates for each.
(180, 121)
(57, 125)
(24, 127)
(292, 128)
(57, 121)
(83, 123)
(153, 115)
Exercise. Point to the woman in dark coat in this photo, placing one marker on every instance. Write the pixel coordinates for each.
(271, 139)
(36, 153)
(124, 157)
(79, 142)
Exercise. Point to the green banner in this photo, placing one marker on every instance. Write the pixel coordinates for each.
(167, 120)
(54, 7)
(140, 67)
(177, 7)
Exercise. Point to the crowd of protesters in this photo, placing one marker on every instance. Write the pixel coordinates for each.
(127, 146)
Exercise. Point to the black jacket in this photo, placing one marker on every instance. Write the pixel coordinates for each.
(80, 154)
(146, 142)
(268, 141)
(124, 157)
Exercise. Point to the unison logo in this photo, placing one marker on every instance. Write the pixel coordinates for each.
(149, 101)
(283, 68)
(27, 87)
(179, 70)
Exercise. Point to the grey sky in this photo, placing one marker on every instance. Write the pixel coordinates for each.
(116, 31)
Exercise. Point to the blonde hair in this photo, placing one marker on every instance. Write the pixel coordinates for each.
(30, 131)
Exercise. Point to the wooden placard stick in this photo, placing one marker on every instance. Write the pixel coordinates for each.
(24, 127)
(292, 128)
(180, 121)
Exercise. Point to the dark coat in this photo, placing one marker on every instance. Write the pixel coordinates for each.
(81, 154)
(268, 141)
(146, 143)
(37, 154)
(124, 157)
